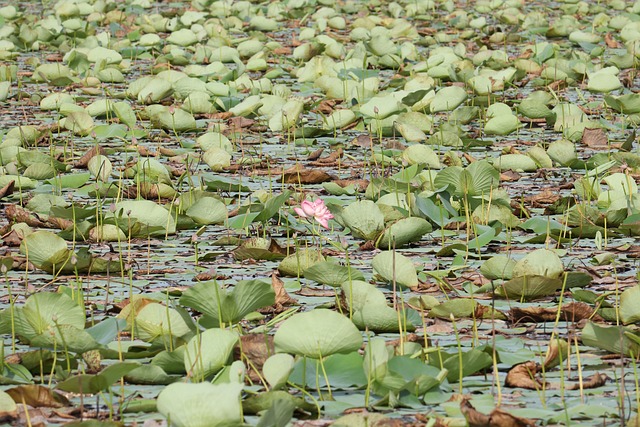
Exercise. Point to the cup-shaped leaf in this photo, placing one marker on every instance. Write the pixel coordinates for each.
(332, 274)
(370, 309)
(316, 334)
(392, 266)
(297, 263)
(201, 405)
(541, 262)
(207, 352)
(276, 369)
(158, 322)
(364, 218)
(208, 210)
(45, 250)
(403, 232)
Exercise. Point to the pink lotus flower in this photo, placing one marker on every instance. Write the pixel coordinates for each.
(317, 210)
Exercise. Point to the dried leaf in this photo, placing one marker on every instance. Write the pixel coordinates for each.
(315, 155)
(327, 106)
(256, 348)
(524, 376)
(7, 189)
(595, 138)
(305, 176)
(363, 140)
(474, 418)
(92, 152)
(510, 176)
(497, 417)
(358, 184)
(572, 312)
(611, 42)
(15, 213)
(282, 297)
(594, 381)
(37, 396)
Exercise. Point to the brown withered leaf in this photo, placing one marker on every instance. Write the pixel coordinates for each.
(315, 155)
(37, 396)
(296, 175)
(572, 312)
(594, 381)
(83, 161)
(363, 140)
(595, 138)
(256, 349)
(524, 376)
(330, 159)
(15, 213)
(12, 238)
(510, 176)
(497, 417)
(545, 197)
(327, 106)
(610, 41)
(7, 189)
(359, 184)
(237, 124)
(282, 296)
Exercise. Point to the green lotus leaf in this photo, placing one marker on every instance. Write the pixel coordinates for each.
(45, 250)
(422, 155)
(224, 307)
(208, 210)
(630, 305)
(214, 140)
(40, 171)
(370, 310)
(156, 219)
(614, 339)
(395, 267)
(125, 113)
(317, 334)
(158, 322)
(410, 132)
(448, 99)
(207, 352)
(332, 274)
(498, 267)
(541, 262)
(403, 232)
(217, 159)
(516, 162)
(154, 90)
(381, 107)
(288, 116)
(297, 263)
(563, 152)
(100, 167)
(175, 120)
(201, 405)
(502, 125)
(79, 122)
(55, 100)
(107, 56)
(276, 370)
(364, 219)
(603, 81)
(339, 119)
(628, 103)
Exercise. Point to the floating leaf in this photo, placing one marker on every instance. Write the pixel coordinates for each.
(364, 219)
